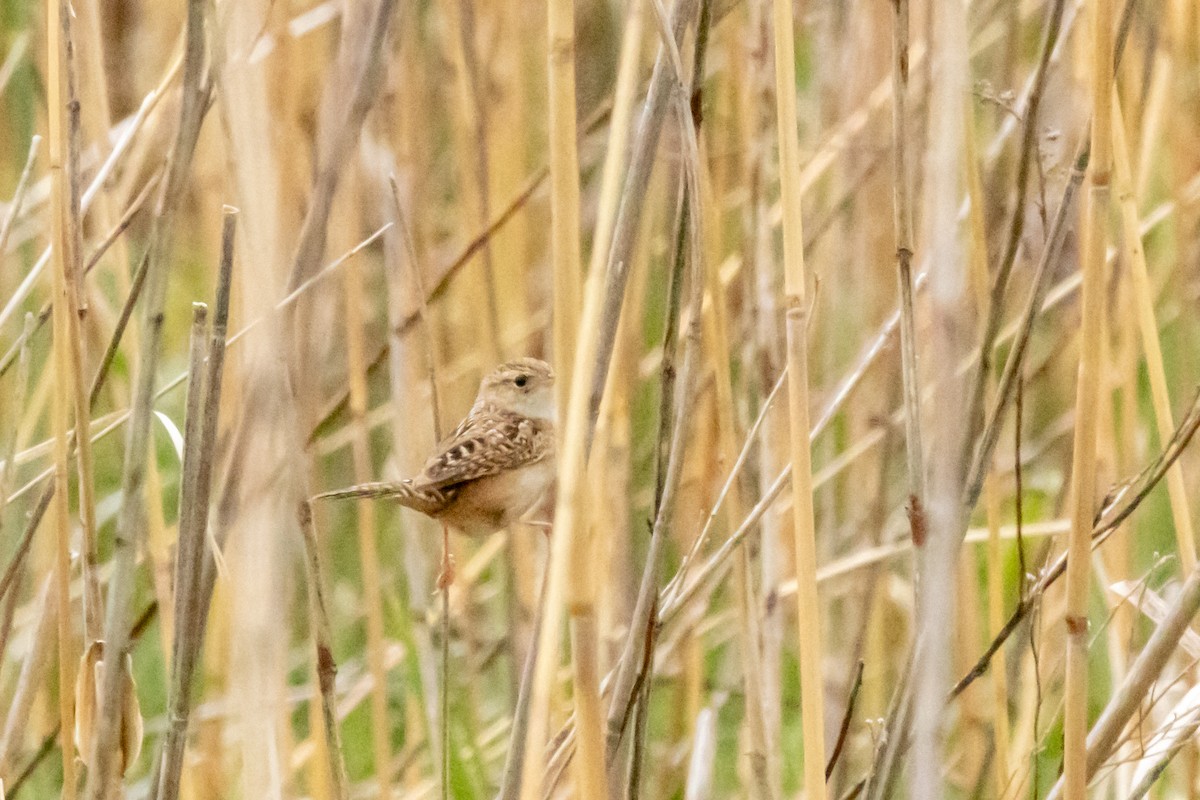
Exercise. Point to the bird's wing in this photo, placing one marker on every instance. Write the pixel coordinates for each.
(487, 442)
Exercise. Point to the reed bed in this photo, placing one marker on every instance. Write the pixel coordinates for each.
(876, 396)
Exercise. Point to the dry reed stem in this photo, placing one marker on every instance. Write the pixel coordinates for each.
(96, 116)
(570, 486)
(1040, 285)
(636, 659)
(617, 148)
(808, 601)
(510, 781)
(571, 512)
(703, 760)
(594, 348)
(1083, 462)
(16, 52)
(633, 195)
(564, 192)
(937, 562)
(439, 720)
(1168, 743)
(124, 320)
(196, 574)
(616, 394)
(903, 214)
(76, 306)
(414, 270)
(322, 636)
(1185, 536)
(847, 719)
(188, 559)
(63, 237)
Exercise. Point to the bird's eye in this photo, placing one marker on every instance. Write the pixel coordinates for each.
(521, 380)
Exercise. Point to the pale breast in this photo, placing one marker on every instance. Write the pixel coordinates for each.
(488, 504)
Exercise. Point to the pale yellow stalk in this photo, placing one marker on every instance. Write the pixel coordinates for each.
(1083, 463)
(808, 602)
(565, 557)
(97, 120)
(61, 408)
(570, 568)
(564, 192)
(612, 426)
(1143, 297)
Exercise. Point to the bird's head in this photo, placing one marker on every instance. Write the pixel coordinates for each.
(524, 386)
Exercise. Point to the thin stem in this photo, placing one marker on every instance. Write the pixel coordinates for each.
(803, 522)
(194, 572)
(322, 634)
(902, 207)
(62, 217)
(633, 197)
(1185, 536)
(1083, 462)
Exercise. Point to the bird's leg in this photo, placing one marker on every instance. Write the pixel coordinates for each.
(446, 576)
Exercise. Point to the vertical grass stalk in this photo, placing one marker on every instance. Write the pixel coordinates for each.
(1083, 461)
(902, 207)
(61, 250)
(194, 567)
(564, 192)
(1185, 536)
(950, 329)
(322, 635)
(812, 707)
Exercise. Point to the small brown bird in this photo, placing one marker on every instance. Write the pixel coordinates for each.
(497, 464)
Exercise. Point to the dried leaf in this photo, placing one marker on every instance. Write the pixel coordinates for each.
(89, 683)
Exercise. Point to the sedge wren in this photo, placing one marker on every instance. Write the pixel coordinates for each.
(497, 464)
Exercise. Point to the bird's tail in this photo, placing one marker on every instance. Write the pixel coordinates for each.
(426, 501)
